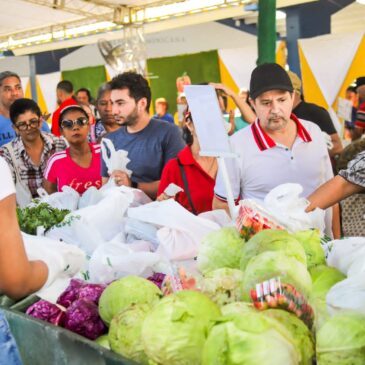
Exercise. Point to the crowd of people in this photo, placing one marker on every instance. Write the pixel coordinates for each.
(276, 134)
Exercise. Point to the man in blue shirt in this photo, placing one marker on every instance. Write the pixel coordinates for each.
(10, 90)
(161, 107)
(150, 143)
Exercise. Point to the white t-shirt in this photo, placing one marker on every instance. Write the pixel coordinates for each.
(6, 182)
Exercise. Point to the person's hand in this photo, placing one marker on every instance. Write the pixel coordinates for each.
(121, 178)
(232, 122)
(223, 87)
(162, 197)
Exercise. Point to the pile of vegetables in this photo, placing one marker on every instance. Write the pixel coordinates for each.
(213, 321)
(76, 309)
(39, 215)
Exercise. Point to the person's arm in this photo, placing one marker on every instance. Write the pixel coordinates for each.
(247, 113)
(357, 133)
(219, 204)
(18, 276)
(332, 192)
(49, 186)
(337, 145)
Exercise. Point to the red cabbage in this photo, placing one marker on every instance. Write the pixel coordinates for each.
(82, 317)
(47, 311)
(91, 292)
(157, 278)
(71, 293)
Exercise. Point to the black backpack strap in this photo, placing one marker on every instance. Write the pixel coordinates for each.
(186, 185)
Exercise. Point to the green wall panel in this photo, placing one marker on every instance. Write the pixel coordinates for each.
(200, 67)
(89, 77)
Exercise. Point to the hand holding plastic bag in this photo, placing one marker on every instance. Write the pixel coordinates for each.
(62, 259)
(286, 205)
(114, 160)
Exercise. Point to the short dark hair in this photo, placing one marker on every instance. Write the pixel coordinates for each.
(87, 91)
(135, 83)
(21, 106)
(66, 86)
(5, 74)
(102, 90)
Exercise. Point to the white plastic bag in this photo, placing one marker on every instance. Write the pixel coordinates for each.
(93, 225)
(181, 231)
(343, 253)
(68, 198)
(286, 205)
(111, 261)
(137, 230)
(91, 196)
(114, 160)
(348, 294)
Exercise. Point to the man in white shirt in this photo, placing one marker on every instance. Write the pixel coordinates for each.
(278, 148)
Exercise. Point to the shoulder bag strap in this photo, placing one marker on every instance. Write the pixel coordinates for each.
(186, 185)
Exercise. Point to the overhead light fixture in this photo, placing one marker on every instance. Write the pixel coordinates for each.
(362, 2)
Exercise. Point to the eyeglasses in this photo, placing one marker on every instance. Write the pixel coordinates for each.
(32, 123)
(69, 124)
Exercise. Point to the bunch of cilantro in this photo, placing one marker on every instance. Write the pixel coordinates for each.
(43, 214)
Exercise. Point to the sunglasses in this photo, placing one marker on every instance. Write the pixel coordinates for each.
(33, 123)
(69, 124)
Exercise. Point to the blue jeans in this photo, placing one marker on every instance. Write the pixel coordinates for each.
(9, 354)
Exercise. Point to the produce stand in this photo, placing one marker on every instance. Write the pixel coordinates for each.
(42, 343)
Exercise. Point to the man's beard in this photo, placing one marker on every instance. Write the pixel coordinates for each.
(131, 119)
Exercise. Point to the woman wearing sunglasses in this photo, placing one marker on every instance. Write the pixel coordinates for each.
(79, 165)
(195, 174)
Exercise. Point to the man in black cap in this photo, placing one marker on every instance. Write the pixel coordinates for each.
(277, 148)
(360, 114)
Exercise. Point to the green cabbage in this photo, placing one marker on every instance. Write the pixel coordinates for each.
(223, 285)
(311, 242)
(222, 248)
(323, 278)
(175, 331)
(237, 308)
(124, 292)
(125, 332)
(300, 333)
(103, 341)
(272, 264)
(272, 240)
(341, 340)
(249, 339)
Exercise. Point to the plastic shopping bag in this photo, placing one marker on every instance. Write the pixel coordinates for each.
(114, 160)
(348, 294)
(342, 254)
(180, 231)
(68, 198)
(112, 260)
(93, 225)
(288, 208)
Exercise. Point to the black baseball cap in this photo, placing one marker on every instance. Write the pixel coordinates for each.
(269, 76)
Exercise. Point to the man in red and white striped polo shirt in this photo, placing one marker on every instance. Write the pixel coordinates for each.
(278, 148)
